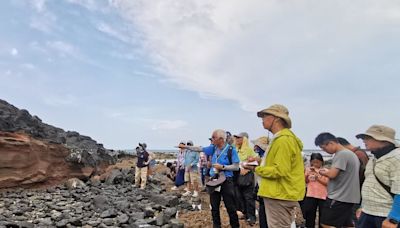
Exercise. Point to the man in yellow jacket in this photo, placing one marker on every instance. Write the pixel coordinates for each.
(282, 169)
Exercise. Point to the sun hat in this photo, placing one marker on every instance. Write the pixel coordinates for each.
(215, 182)
(277, 110)
(241, 135)
(380, 133)
(262, 142)
(143, 145)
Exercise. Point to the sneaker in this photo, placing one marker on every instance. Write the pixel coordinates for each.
(195, 194)
(186, 189)
(187, 193)
(174, 188)
(251, 222)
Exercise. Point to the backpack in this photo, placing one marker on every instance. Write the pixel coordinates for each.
(235, 173)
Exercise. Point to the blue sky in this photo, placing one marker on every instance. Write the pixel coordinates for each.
(163, 70)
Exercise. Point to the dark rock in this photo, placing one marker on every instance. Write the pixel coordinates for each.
(165, 200)
(122, 219)
(175, 223)
(160, 219)
(115, 177)
(170, 213)
(62, 223)
(110, 213)
(148, 212)
(135, 216)
(100, 202)
(108, 221)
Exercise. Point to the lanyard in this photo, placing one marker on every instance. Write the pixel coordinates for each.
(223, 150)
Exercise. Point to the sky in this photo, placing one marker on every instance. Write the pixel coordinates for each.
(162, 71)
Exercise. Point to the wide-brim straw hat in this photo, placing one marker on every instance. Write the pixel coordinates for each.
(261, 142)
(277, 110)
(380, 133)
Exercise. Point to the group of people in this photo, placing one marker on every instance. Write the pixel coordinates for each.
(355, 190)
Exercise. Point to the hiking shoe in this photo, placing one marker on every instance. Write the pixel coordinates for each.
(251, 222)
(188, 193)
(174, 188)
(195, 194)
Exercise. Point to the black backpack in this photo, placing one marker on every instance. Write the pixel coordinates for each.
(235, 173)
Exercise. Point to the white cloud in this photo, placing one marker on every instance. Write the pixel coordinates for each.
(14, 52)
(44, 20)
(39, 5)
(258, 52)
(107, 29)
(63, 48)
(91, 5)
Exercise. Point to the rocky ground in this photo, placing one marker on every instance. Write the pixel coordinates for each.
(106, 201)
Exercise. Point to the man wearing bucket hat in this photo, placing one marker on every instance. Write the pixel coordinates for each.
(380, 191)
(282, 182)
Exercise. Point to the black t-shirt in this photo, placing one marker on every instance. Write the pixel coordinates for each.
(142, 157)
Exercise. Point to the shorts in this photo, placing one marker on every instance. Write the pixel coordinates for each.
(192, 176)
(337, 214)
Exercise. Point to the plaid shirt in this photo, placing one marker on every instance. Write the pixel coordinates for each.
(375, 199)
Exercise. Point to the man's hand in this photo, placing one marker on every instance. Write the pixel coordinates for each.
(244, 171)
(217, 166)
(358, 213)
(323, 172)
(387, 224)
(248, 167)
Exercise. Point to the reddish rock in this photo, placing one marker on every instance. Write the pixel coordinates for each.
(25, 161)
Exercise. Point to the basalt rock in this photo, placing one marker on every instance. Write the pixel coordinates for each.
(33, 152)
(116, 206)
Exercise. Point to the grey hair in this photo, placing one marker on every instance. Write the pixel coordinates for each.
(220, 133)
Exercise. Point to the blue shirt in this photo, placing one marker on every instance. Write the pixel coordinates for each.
(191, 158)
(221, 157)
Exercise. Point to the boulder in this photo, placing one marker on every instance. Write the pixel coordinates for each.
(73, 183)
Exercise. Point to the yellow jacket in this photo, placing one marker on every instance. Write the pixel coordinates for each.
(245, 150)
(282, 173)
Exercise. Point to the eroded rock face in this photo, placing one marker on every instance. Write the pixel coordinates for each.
(26, 161)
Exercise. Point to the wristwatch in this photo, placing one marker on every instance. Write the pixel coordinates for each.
(393, 221)
(223, 167)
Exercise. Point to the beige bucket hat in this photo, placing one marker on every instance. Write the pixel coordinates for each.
(277, 110)
(380, 133)
(262, 142)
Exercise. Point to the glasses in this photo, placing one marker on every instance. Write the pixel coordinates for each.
(215, 138)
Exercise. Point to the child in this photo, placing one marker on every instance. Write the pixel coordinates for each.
(316, 190)
(171, 171)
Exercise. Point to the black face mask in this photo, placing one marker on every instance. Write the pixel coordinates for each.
(383, 151)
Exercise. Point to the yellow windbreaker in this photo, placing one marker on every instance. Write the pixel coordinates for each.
(282, 173)
(245, 151)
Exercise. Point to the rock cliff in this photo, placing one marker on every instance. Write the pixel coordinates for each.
(33, 152)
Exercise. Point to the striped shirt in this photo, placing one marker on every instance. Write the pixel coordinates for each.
(375, 199)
